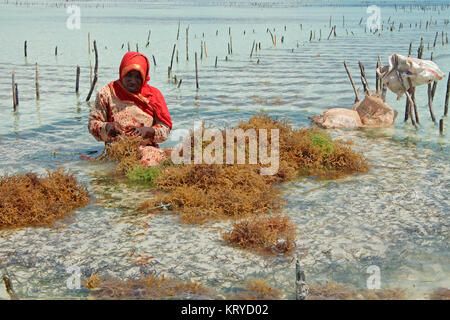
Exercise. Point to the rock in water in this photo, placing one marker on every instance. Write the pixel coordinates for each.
(374, 112)
(338, 118)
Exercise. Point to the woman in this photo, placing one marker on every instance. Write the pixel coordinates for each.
(130, 106)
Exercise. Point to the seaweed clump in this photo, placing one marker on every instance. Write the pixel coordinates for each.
(204, 192)
(125, 151)
(272, 234)
(310, 152)
(338, 291)
(32, 200)
(143, 175)
(257, 289)
(145, 288)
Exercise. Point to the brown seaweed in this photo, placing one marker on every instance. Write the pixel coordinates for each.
(256, 289)
(144, 288)
(272, 234)
(203, 192)
(32, 200)
(339, 291)
(125, 151)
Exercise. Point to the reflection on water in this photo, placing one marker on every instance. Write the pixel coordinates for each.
(395, 216)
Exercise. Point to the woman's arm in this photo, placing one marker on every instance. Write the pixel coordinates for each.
(161, 131)
(99, 127)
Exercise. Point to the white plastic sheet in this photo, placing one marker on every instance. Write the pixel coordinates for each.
(414, 72)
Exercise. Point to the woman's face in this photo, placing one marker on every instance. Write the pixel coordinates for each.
(132, 81)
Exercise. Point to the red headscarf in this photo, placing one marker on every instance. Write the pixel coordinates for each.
(148, 99)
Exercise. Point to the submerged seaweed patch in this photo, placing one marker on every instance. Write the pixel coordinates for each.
(272, 234)
(32, 200)
(200, 193)
(148, 287)
(257, 289)
(339, 291)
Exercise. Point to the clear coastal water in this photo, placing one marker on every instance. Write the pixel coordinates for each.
(396, 216)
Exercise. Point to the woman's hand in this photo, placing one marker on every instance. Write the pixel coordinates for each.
(113, 129)
(144, 132)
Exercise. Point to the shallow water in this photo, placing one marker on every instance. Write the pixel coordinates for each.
(396, 216)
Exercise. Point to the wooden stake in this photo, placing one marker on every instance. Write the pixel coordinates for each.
(383, 92)
(253, 46)
(408, 96)
(377, 78)
(331, 31)
(25, 49)
(273, 42)
(77, 81)
(352, 83)
(215, 65)
(154, 60)
(179, 83)
(90, 60)
(364, 80)
(9, 288)
(430, 101)
(95, 73)
(148, 38)
(187, 44)
(301, 288)
(407, 110)
(171, 59)
(201, 50)
(14, 90)
(178, 32)
(412, 91)
(17, 94)
(441, 126)
(37, 82)
(196, 71)
(447, 96)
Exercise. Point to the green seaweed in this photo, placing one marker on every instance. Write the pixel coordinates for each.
(322, 140)
(143, 175)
